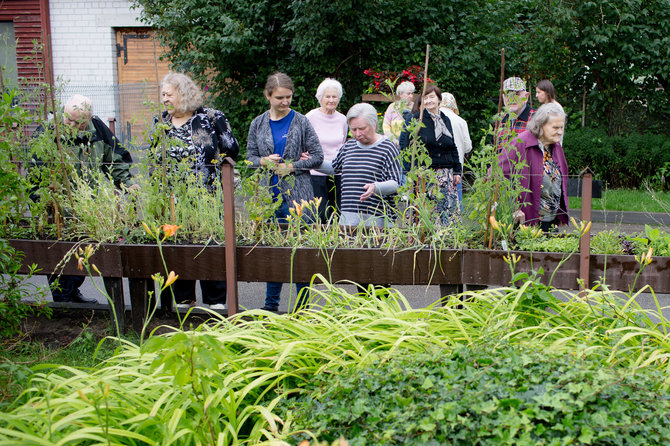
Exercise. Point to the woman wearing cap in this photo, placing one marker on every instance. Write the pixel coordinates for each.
(437, 135)
(545, 174)
(284, 141)
(331, 128)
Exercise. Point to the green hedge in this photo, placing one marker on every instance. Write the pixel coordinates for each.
(620, 161)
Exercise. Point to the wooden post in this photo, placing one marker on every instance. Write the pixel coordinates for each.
(140, 304)
(489, 229)
(114, 288)
(230, 238)
(585, 241)
(112, 125)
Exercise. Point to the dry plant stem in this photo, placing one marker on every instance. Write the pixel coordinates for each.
(416, 133)
(489, 230)
(58, 142)
(495, 198)
(58, 222)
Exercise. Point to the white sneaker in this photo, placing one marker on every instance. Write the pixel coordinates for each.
(218, 307)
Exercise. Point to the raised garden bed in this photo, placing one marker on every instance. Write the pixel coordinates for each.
(257, 264)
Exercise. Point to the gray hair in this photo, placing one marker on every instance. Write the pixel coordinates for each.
(542, 116)
(79, 103)
(365, 111)
(328, 84)
(405, 87)
(190, 95)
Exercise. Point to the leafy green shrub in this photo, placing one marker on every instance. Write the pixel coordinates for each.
(13, 287)
(620, 161)
(484, 395)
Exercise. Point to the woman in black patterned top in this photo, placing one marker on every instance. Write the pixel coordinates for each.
(201, 136)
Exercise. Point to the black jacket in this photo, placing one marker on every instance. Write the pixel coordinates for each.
(443, 152)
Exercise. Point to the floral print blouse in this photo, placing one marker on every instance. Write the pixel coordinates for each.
(203, 140)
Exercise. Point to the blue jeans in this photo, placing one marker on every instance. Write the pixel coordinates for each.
(273, 289)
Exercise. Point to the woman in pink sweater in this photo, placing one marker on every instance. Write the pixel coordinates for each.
(331, 128)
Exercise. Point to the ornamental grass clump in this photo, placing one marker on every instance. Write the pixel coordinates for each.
(224, 382)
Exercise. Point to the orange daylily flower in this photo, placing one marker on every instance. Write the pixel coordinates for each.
(170, 230)
(171, 278)
(298, 208)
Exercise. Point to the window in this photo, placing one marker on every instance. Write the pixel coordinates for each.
(8, 53)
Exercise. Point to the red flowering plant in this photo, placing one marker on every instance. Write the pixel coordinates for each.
(385, 81)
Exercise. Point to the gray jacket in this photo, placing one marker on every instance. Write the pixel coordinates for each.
(301, 138)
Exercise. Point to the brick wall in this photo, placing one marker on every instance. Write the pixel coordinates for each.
(84, 48)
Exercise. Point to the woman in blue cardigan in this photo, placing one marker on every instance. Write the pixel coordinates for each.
(278, 139)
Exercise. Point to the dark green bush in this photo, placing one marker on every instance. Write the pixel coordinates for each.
(620, 161)
(484, 395)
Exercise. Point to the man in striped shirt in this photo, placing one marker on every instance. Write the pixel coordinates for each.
(370, 169)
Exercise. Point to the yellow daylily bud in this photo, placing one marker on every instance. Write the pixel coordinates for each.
(588, 227)
(494, 223)
(83, 396)
(95, 268)
(146, 229)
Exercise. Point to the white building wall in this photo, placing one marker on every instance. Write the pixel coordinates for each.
(84, 48)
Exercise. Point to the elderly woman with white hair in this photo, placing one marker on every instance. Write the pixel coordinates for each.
(461, 133)
(545, 173)
(370, 171)
(203, 136)
(393, 118)
(331, 128)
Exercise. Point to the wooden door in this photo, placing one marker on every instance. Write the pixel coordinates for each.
(139, 71)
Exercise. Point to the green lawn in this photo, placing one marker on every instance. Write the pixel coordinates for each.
(628, 200)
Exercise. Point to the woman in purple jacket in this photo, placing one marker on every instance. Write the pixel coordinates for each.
(545, 177)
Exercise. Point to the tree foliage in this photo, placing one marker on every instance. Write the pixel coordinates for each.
(615, 52)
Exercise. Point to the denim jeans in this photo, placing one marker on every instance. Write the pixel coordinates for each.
(273, 289)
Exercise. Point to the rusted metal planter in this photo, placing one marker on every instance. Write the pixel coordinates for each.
(620, 271)
(275, 264)
(484, 267)
(358, 265)
(49, 256)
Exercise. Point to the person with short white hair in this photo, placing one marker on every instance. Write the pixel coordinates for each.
(332, 129)
(544, 173)
(89, 146)
(461, 133)
(370, 171)
(393, 118)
